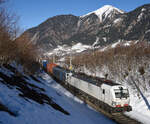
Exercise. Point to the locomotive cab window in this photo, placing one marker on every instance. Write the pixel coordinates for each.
(103, 91)
(121, 93)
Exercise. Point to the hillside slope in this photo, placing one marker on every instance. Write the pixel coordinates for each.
(35, 100)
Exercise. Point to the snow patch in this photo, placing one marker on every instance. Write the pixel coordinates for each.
(104, 12)
(96, 42)
(114, 45)
(105, 39)
(103, 49)
(128, 43)
(117, 20)
(79, 47)
(35, 37)
(143, 9)
(140, 17)
(63, 50)
(147, 31)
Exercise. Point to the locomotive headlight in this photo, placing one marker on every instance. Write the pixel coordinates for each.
(114, 103)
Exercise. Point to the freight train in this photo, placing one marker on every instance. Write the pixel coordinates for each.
(105, 94)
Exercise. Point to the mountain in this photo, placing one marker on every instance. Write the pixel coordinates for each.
(101, 27)
(53, 31)
(129, 26)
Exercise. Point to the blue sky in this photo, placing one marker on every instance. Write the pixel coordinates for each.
(34, 12)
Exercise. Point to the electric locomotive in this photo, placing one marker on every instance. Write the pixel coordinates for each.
(106, 94)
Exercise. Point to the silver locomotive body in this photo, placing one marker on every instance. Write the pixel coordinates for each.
(107, 94)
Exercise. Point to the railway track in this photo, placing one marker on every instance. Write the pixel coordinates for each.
(119, 118)
(123, 119)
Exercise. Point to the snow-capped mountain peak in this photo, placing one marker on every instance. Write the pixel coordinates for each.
(105, 11)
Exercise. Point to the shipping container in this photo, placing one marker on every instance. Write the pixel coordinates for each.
(50, 67)
(44, 64)
(59, 73)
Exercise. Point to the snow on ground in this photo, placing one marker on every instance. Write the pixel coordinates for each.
(119, 43)
(30, 112)
(80, 47)
(63, 50)
(140, 110)
(103, 49)
(127, 43)
(115, 44)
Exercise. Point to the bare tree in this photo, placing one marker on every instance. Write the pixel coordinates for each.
(7, 24)
(11, 49)
(27, 54)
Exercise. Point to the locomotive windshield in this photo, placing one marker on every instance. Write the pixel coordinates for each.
(121, 93)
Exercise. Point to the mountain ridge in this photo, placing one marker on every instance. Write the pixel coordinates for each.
(112, 25)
